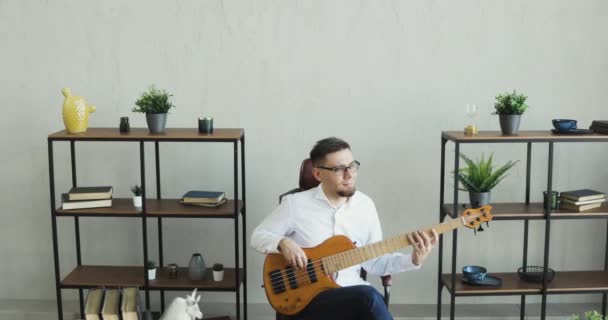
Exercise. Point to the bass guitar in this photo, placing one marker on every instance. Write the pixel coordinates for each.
(289, 290)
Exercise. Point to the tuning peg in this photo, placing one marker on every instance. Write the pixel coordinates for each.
(480, 228)
(487, 224)
(475, 231)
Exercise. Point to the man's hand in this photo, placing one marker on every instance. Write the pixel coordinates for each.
(423, 244)
(293, 253)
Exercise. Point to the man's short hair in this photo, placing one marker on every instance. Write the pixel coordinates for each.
(325, 147)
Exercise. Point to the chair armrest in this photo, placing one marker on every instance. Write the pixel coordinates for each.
(288, 193)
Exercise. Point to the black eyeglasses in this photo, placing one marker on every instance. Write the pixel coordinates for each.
(341, 170)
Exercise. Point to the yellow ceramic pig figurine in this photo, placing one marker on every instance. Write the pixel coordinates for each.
(75, 112)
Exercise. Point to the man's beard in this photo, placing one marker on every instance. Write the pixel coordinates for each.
(347, 193)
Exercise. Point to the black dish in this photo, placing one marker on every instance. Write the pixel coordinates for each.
(535, 274)
(572, 131)
(488, 280)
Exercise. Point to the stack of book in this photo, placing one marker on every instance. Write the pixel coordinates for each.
(87, 197)
(599, 126)
(581, 200)
(204, 198)
(105, 304)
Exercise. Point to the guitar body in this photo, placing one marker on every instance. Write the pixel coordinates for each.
(289, 290)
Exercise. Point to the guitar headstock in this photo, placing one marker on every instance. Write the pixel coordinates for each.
(474, 217)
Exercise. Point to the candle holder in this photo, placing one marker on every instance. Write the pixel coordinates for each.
(205, 125)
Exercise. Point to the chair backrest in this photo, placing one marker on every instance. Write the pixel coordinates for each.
(307, 180)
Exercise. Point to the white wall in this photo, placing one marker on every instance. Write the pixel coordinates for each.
(388, 76)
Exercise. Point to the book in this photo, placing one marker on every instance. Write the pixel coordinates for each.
(209, 205)
(130, 304)
(109, 311)
(580, 208)
(599, 124)
(203, 197)
(582, 195)
(90, 193)
(578, 203)
(83, 204)
(92, 308)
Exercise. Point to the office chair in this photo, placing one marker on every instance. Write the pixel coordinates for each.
(308, 181)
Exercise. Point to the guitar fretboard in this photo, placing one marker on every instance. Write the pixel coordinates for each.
(343, 260)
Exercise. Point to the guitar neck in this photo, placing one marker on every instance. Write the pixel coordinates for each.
(343, 260)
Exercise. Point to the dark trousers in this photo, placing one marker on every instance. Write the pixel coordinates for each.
(347, 303)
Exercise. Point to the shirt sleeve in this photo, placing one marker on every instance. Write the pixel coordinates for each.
(266, 236)
(389, 263)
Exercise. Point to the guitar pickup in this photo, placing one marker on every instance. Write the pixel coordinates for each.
(291, 278)
(278, 283)
(310, 269)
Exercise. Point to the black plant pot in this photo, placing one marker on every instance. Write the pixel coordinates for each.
(509, 123)
(156, 122)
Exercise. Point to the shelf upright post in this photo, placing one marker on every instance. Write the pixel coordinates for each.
(54, 231)
(237, 272)
(76, 223)
(144, 221)
(604, 295)
(522, 309)
(455, 231)
(160, 222)
(441, 217)
(547, 232)
(243, 236)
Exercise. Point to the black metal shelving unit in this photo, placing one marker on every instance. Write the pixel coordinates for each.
(565, 282)
(87, 276)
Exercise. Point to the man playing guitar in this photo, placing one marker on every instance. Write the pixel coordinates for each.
(335, 207)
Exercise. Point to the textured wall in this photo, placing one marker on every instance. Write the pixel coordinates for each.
(387, 76)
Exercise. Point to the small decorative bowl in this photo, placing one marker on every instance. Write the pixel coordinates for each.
(564, 124)
(474, 273)
(535, 274)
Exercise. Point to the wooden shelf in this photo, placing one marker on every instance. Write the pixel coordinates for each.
(564, 282)
(182, 282)
(157, 208)
(143, 134)
(519, 211)
(106, 276)
(523, 136)
(120, 276)
(172, 208)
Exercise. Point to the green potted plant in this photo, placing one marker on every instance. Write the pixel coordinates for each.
(218, 272)
(589, 315)
(151, 267)
(155, 104)
(480, 177)
(137, 193)
(509, 108)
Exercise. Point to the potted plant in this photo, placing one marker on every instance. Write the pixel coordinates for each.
(218, 272)
(137, 193)
(509, 108)
(479, 178)
(151, 267)
(155, 104)
(589, 315)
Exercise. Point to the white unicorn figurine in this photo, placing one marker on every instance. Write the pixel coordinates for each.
(183, 309)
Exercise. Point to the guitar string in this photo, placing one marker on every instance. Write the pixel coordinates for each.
(299, 275)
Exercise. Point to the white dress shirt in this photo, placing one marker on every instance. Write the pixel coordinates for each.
(308, 218)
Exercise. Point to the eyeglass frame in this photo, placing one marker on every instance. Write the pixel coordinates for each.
(337, 169)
